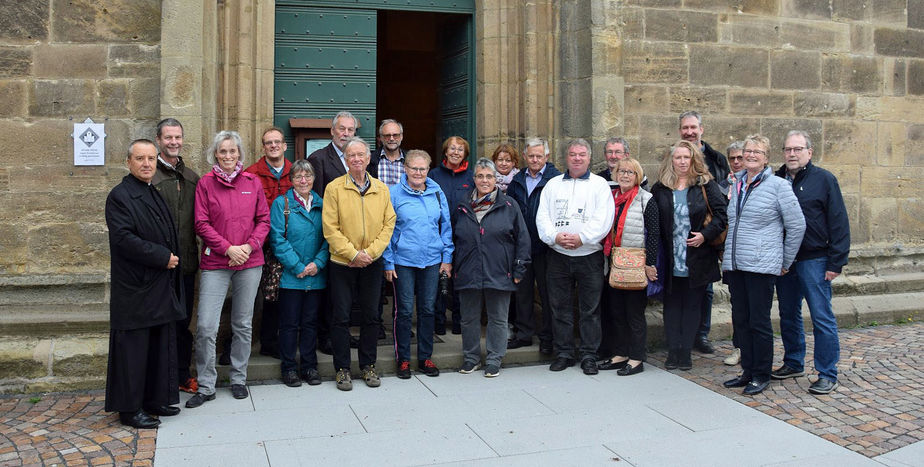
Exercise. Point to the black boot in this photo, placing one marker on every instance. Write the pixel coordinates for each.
(672, 360)
(685, 361)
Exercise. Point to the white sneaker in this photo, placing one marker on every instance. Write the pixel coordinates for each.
(734, 358)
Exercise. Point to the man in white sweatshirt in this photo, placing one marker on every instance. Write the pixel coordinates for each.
(576, 212)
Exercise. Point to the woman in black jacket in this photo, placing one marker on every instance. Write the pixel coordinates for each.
(684, 182)
(492, 251)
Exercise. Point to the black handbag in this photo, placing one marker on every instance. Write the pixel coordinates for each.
(272, 268)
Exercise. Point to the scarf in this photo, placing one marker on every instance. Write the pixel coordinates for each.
(503, 181)
(625, 200)
(226, 176)
(481, 205)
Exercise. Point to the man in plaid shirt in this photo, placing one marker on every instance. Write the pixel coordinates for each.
(387, 162)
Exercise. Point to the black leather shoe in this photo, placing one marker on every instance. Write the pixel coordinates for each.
(517, 343)
(268, 351)
(631, 370)
(545, 348)
(163, 411)
(561, 363)
(290, 379)
(457, 328)
(684, 360)
(786, 371)
(224, 359)
(354, 342)
(239, 391)
(703, 345)
(609, 365)
(589, 366)
(381, 334)
(440, 329)
(324, 347)
(198, 399)
(739, 381)
(312, 377)
(670, 363)
(138, 419)
(823, 386)
(755, 387)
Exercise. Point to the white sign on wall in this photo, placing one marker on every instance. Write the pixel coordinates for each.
(89, 143)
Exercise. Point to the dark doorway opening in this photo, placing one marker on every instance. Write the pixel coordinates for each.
(408, 74)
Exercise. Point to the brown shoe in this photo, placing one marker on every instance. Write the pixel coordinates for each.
(370, 377)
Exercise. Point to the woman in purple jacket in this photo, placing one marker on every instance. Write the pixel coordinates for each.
(233, 220)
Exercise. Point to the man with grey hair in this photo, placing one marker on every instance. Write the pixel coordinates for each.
(821, 257)
(575, 213)
(387, 161)
(525, 188)
(328, 162)
(614, 150)
(691, 129)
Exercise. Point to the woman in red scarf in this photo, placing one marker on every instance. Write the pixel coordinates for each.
(635, 226)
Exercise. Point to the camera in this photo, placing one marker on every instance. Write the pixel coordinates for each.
(444, 284)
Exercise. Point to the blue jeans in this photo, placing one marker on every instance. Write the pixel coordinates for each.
(422, 283)
(298, 328)
(806, 279)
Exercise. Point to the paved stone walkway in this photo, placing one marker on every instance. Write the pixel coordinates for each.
(878, 408)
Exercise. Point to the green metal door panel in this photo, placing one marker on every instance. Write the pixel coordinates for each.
(456, 80)
(324, 63)
(444, 6)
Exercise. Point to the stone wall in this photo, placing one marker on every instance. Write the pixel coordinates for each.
(847, 71)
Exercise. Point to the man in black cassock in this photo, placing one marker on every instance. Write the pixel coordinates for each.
(146, 296)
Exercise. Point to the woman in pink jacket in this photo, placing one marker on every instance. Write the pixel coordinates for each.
(233, 220)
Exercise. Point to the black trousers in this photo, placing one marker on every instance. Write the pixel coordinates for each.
(628, 328)
(364, 285)
(751, 299)
(142, 368)
(184, 338)
(525, 304)
(585, 275)
(682, 313)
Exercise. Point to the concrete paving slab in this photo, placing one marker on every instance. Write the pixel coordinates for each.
(760, 443)
(251, 454)
(911, 455)
(224, 403)
(830, 460)
(280, 396)
(203, 428)
(707, 412)
(419, 446)
(586, 456)
(450, 383)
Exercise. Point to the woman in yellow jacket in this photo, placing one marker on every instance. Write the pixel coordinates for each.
(358, 221)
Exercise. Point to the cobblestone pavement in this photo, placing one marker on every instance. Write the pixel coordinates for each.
(879, 406)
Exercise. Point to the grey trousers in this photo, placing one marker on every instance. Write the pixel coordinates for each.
(213, 287)
(497, 305)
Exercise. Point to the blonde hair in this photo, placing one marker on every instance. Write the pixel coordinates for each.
(699, 173)
(633, 165)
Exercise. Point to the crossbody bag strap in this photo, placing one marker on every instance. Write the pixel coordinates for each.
(285, 234)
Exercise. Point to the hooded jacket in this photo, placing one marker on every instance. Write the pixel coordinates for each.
(423, 229)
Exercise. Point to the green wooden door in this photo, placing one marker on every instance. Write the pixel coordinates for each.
(324, 63)
(457, 75)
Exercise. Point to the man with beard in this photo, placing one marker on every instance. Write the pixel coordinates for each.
(387, 162)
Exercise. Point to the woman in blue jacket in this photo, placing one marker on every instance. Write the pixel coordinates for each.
(492, 252)
(299, 243)
(419, 252)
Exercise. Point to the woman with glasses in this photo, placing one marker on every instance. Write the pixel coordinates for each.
(298, 240)
(419, 252)
(636, 226)
(454, 177)
(765, 229)
(686, 194)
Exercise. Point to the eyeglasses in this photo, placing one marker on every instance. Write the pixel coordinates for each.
(735, 158)
(485, 177)
(754, 151)
(303, 177)
(392, 136)
(420, 170)
(277, 142)
(617, 152)
(793, 150)
(625, 172)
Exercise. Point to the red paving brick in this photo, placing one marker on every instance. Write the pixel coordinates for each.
(877, 408)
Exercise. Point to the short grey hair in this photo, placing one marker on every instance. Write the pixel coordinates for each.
(533, 142)
(356, 140)
(485, 163)
(617, 140)
(808, 139)
(299, 166)
(344, 114)
(390, 120)
(579, 142)
(691, 113)
(417, 154)
(221, 137)
(736, 146)
(131, 146)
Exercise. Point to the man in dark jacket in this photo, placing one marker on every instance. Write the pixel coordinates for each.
(176, 183)
(691, 129)
(387, 163)
(273, 171)
(525, 189)
(328, 162)
(146, 296)
(614, 150)
(821, 257)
